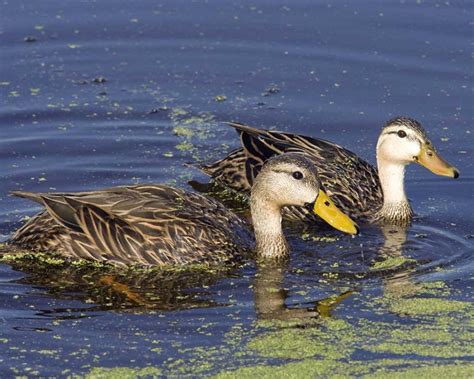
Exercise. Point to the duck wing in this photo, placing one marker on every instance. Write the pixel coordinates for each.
(144, 224)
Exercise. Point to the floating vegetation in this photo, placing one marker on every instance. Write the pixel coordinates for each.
(123, 373)
(427, 306)
(392, 262)
(183, 131)
(310, 237)
(220, 98)
(190, 128)
(438, 341)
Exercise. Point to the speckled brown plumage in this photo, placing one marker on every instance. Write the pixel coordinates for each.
(143, 224)
(352, 183)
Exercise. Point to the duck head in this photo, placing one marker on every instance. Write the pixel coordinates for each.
(291, 179)
(403, 140)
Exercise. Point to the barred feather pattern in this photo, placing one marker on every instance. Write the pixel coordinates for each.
(352, 183)
(149, 225)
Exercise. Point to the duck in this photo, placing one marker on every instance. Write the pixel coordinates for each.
(375, 195)
(159, 225)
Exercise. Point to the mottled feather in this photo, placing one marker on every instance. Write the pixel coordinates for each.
(143, 224)
(352, 183)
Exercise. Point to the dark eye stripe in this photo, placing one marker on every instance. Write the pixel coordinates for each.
(408, 137)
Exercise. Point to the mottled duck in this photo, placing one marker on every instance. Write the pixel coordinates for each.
(158, 225)
(356, 187)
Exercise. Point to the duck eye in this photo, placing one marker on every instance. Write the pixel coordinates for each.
(401, 133)
(298, 175)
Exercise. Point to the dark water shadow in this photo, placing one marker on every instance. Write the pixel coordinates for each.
(146, 291)
(129, 290)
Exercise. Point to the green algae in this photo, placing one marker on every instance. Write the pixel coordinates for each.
(312, 369)
(29, 259)
(182, 131)
(184, 146)
(292, 343)
(327, 348)
(460, 370)
(220, 98)
(307, 236)
(428, 306)
(424, 341)
(304, 369)
(123, 373)
(391, 263)
(285, 344)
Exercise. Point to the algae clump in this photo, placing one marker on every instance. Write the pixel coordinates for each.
(427, 306)
(123, 373)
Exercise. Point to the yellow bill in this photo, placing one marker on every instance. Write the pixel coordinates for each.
(327, 210)
(430, 159)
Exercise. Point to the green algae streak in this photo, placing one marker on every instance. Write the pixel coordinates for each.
(425, 306)
(313, 369)
(123, 373)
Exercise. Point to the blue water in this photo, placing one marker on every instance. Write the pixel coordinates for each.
(96, 94)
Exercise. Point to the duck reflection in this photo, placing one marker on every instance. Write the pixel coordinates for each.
(399, 283)
(270, 297)
(125, 290)
(146, 291)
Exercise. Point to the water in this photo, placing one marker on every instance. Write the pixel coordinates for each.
(96, 94)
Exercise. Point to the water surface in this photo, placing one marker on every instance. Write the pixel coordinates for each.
(96, 94)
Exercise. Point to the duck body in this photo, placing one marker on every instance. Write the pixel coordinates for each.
(149, 225)
(357, 188)
(158, 225)
(351, 182)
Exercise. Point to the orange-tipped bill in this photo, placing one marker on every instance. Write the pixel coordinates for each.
(327, 210)
(430, 159)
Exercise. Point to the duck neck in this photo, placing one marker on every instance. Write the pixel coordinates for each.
(395, 207)
(266, 219)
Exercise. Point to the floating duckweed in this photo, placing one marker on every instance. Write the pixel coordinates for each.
(308, 236)
(286, 343)
(220, 98)
(305, 369)
(425, 341)
(461, 370)
(184, 146)
(41, 258)
(293, 343)
(183, 131)
(427, 306)
(392, 262)
(122, 373)
(384, 368)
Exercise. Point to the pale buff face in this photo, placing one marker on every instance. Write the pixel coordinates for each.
(289, 180)
(399, 144)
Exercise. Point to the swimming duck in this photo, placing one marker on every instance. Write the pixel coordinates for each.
(161, 225)
(355, 186)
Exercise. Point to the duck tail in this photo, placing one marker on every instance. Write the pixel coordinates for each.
(242, 128)
(36, 197)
